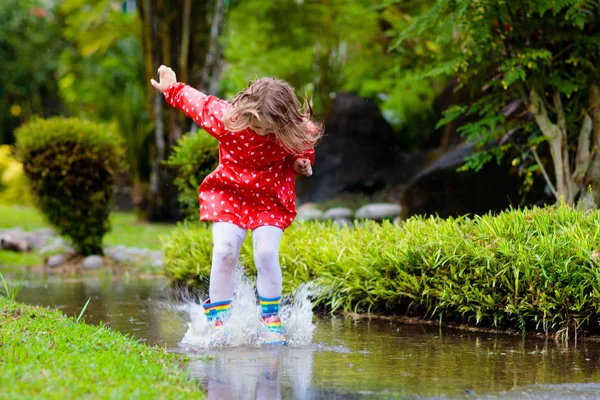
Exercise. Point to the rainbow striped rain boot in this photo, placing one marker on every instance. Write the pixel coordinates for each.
(272, 332)
(216, 313)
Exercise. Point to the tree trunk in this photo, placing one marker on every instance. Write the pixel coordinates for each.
(211, 70)
(556, 136)
(587, 161)
(593, 177)
(171, 28)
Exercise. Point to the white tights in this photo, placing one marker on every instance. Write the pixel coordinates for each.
(228, 239)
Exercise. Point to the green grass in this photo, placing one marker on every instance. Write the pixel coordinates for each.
(46, 355)
(126, 231)
(530, 270)
(14, 259)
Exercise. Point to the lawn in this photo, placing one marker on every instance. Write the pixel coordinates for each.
(126, 231)
(46, 355)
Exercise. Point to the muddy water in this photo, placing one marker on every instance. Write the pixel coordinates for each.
(344, 359)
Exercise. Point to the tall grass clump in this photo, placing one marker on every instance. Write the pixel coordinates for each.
(8, 291)
(532, 269)
(71, 165)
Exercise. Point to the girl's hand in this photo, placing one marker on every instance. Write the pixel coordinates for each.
(167, 78)
(302, 167)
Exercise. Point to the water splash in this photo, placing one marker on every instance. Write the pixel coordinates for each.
(243, 327)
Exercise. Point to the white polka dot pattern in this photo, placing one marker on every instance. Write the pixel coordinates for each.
(253, 184)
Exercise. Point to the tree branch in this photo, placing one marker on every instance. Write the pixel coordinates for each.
(555, 137)
(595, 113)
(560, 112)
(582, 160)
(544, 173)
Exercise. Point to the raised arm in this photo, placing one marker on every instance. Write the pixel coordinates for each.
(207, 111)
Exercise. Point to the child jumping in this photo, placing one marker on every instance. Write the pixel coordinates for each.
(265, 136)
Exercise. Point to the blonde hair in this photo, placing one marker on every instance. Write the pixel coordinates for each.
(274, 101)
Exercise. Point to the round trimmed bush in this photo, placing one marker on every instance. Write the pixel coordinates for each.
(71, 165)
(194, 157)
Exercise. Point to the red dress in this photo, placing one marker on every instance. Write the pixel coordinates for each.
(253, 185)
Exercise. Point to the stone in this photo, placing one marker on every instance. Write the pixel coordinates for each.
(157, 255)
(55, 246)
(45, 232)
(359, 153)
(378, 211)
(92, 262)
(309, 214)
(337, 212)
(343, 222)
(398, 220)
(56, 260)
(14, 240)
(157, 263)
(443, 191)
(117, 253)
(35, 241)
(306, 206)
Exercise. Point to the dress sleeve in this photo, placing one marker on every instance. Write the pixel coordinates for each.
(309, 153)
(206, 110)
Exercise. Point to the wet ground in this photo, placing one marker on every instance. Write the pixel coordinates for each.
(344, 359)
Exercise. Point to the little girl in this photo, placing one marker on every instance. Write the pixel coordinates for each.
(264, 136)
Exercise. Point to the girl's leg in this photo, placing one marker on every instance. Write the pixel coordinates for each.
(227, 242)
(265, 242)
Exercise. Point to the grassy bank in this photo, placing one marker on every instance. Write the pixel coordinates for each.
(531, 270)
(126, 231)
(44, 354)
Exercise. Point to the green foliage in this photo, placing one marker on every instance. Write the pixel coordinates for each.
(194, 157)
(533, 266)
(71, 165)
(30, 43)
(101, 76)
(13, 184)
(47, 355)
(323, 48)
(8, 291)
(502, 50)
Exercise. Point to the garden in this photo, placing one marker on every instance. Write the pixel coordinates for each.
(447, 243)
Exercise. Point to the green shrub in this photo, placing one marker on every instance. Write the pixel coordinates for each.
(194, 157)
(13, 184)
(71, 165)
(532, 269)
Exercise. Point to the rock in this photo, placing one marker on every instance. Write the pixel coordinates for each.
(337, 212)
(35, 241)
(92, 262)
(378, 211)
(343, 222)
(45, 232)
(442, 190)
(14, 240)
(309, 214)
(56, 260)
(49, 249)
(359, 153)
(118, 253)
(306, 206)
(157, 263)
(398, 220)
(56, 245)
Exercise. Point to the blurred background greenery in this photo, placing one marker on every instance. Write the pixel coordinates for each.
(502, 76)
